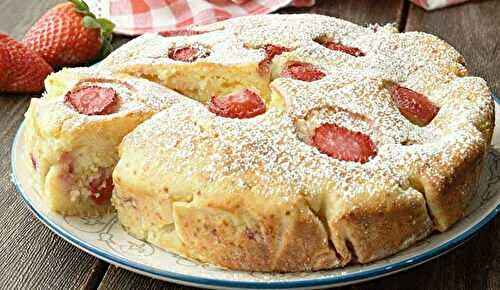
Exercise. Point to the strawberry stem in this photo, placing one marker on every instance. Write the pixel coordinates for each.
(82, 7)
(104, 25)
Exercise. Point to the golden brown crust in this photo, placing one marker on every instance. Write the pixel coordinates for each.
(286, 240)
(449, 194)
(376, 224)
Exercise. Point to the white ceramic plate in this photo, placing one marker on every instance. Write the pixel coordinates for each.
(105, 239)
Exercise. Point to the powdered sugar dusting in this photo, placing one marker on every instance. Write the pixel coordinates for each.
(271, 152)
(136, 96)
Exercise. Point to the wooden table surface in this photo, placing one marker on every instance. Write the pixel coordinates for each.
(32, 257)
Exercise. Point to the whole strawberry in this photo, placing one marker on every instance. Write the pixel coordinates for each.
(21, 69)
(69, 34)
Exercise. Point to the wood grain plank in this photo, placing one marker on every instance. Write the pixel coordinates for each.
(31, 256)
(390, 11)
(117, 278)
(472, 28)
(475, 265)
(362, 12)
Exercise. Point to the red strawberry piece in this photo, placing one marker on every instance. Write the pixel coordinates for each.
(67, 164)
(33, 161)
(92, 100)
(302, 71)
(343, 144)
(101, 189)
(340, 47)
(344, 48)
(181, 32)
(271, 51)
(69, 34)
(187, 54)
(243, 104)
(414, 106)
(21, 70)
(274, 50)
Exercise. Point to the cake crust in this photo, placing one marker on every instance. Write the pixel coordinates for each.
(257, 194)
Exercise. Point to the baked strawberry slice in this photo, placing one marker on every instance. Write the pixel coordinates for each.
(92, 100)
(344, 48)
(271, 51)
(34, 164)
(101, 189)
(180, 32)
(302, 71)
(187, 54)
(274, 50)
(340, 47)
(414, 106)
(343, 144)
(242, 104)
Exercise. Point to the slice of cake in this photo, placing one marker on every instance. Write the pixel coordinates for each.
(73, 131)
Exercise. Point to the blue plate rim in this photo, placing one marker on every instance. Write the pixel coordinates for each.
(212, 282)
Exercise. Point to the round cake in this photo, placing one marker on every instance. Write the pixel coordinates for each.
(301, 142)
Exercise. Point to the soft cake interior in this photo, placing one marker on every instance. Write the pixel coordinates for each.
(201, 81)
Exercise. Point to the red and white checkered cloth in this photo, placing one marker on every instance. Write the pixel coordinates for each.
(134, 17)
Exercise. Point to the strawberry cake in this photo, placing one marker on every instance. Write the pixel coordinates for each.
(73, 131)
(300, 142)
